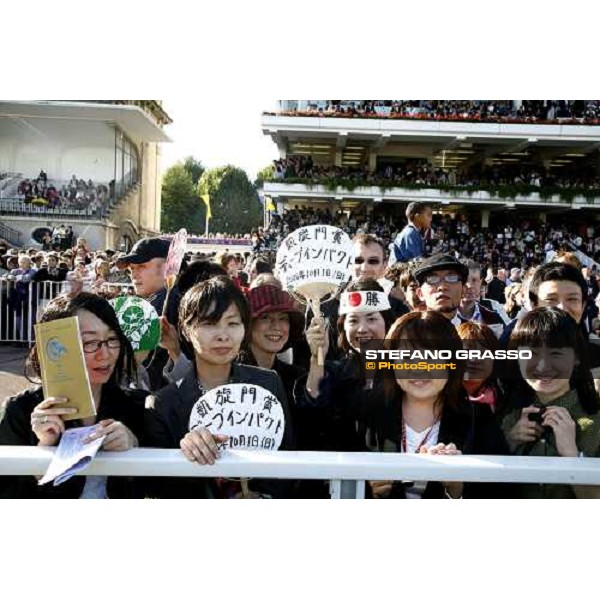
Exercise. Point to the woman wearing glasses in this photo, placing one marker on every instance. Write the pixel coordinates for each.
(32, 420)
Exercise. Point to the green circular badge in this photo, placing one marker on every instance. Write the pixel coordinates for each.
(139, 321)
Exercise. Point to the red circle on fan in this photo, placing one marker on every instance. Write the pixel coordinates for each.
(354, 299)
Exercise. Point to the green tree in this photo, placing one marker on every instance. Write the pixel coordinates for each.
(180, 205)
(263, 175)
(233, 200)
(194, 168)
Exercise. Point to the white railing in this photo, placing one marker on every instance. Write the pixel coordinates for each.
(18, 206)
(21, 304)
(347, 472)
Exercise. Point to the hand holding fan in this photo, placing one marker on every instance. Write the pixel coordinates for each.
(315, 262)
(176, 252)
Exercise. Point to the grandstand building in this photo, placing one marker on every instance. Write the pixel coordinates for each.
(101, 170)
(462, 152)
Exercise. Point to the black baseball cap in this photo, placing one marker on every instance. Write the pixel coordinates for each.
(145, 250)
(440, 262)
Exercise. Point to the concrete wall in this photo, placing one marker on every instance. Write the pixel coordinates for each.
(60, 160)
(96, 232)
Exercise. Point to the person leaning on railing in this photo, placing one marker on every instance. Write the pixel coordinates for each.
(214, 316)
(32, 420)
(555, 406)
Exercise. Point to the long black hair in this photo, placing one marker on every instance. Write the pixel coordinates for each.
(554, 328)
(67, 305)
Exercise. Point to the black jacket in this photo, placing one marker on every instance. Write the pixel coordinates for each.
(495, 290)
(471, 427)
(122, 405)
(167, 422)
(356, 419)
(159, 357)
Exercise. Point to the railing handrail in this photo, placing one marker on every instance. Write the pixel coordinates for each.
(341, 466)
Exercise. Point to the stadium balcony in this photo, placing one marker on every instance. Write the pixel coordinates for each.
(501, 195)
(82, 208)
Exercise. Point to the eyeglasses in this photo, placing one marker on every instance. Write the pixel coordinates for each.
(437, 279)
(92, 346)
(370, 261)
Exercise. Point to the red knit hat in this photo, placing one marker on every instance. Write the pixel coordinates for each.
(268, 298)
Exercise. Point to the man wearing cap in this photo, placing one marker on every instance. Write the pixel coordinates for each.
(441, 280)
(146, 262)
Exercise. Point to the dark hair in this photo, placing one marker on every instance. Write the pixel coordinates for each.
(368, 285)
(395, 272)
(208, 301)
(261, 265)
(416, 208)
(556, 271)
(407, 278)
(197, 271)
(554, 328)
(428, 330)
(66, 305)
(481, 333)
(225, 259)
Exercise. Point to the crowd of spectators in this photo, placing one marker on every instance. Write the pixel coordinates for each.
(222, 239)
(421, 172)
(76, 193)
(526, 111)
(523, 245)
(228, 320)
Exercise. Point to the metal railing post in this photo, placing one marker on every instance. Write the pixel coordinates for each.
(347, 489)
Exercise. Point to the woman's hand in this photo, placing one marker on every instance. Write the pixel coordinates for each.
(381, 489)
(524, 430)
(169, 339)
(118, 436)
(200, 445)
(563, 426)
(453, 488)
(47, 422)
(317, 336)
(445, 449)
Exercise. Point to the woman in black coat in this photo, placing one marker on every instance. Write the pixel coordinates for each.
(32, 420)
(214, 317)
(413, 412)
(335, 389)
(429, 412)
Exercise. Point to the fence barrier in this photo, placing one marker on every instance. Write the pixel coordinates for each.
(22, 303)
(347, 472)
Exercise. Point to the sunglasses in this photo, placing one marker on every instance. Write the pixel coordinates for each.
(437, 279)
(371, 261)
